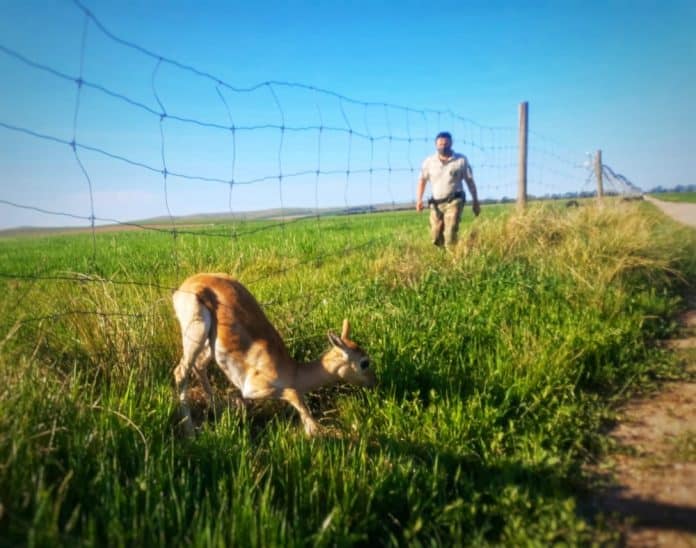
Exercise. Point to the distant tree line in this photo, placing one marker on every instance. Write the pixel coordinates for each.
(552, 196)
(679, 188)
(530, 197)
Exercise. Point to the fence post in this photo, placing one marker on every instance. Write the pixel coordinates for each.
(598, 174)
(522, 173)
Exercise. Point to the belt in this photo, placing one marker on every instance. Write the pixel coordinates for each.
(447, 199)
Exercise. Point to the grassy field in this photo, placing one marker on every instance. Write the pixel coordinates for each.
(498, 364)
(689, 197)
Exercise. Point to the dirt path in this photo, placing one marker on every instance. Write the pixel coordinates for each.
(679, 211)
(652, 473)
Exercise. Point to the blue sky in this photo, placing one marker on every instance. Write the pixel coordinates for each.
(616, 76)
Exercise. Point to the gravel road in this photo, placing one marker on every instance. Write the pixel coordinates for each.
(679, 211)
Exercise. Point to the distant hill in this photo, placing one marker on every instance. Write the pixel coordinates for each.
(205, 218)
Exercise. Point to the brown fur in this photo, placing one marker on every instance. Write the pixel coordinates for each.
(221, 321)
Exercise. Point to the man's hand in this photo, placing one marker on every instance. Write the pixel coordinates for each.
(476, 207)
(419, 205)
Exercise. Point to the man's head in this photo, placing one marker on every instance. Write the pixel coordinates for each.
(443, 143)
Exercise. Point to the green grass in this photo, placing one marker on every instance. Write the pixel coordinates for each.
(689, 197)
(497, 365)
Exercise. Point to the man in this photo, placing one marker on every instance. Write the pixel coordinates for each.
(446, 170)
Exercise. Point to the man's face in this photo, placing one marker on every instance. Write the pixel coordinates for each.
(444, 146)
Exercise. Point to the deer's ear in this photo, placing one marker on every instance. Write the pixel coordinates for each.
(345, 332)
(336, 341)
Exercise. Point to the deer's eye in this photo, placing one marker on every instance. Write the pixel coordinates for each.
(364, 363)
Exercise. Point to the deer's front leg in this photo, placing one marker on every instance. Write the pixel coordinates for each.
(311, 426)
(289, 395)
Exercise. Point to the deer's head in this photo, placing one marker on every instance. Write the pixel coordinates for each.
(348, 361)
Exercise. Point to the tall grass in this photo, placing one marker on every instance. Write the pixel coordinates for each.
(497, 364)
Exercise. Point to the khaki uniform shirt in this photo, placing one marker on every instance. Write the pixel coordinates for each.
(446, 177)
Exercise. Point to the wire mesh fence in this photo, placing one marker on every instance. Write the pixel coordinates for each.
(151, 137)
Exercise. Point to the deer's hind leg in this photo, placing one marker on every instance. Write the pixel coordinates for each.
(195, 321)
(201, 368)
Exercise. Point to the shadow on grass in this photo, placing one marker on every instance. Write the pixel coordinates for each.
(604, 500)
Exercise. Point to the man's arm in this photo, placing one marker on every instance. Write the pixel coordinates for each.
(475, 206)
(420, 189)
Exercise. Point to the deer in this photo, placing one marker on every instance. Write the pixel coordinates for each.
(221, 321)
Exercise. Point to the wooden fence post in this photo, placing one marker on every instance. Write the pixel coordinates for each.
(598, 174)
(522, 169)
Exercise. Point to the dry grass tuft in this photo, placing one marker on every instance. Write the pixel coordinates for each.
(597, 245)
